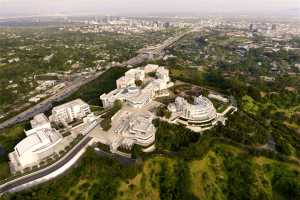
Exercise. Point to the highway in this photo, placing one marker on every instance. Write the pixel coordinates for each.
(47, 103)
(158, 50)
(73, 86)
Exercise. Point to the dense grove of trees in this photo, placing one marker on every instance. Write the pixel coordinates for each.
(240, 175)
(216, 79)
(103, 84)
(241, 128)
(231, 158)
(285, 181)
(175, 185)
(101, 179)
(261, 117)
(173, 137)
(162, 111)
(106, 122)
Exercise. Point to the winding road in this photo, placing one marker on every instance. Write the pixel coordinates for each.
(32, 178)
(48, 170)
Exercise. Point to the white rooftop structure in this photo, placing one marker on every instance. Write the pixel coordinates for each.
(133, 95)
(68, 112)
(137, 74)
(39, 144)
(218, 97)
(124, 81)
(141, 129)
(38, 122)
(137, 97)
(150, 68)
(163, 74)
(134, 128)
(199, 113)
(31, 148)
(130, 77)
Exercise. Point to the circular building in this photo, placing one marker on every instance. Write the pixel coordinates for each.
(133, 90)
(200, 113)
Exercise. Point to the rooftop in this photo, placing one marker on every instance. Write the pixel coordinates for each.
(39, 120)
(36, 142)
(70, 104)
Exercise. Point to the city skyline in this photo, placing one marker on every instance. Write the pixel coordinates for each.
(13, 8)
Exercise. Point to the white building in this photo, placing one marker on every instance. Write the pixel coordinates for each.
(137, 97)
(124, 82)
(134, 128)
(132, 95)
(162, 73)
(130, 77)
(150, 68)
(43, 85)
(40, 143)
(38, 122)
(201, 113)
(218, 97)
(136, 74)
(68, 112)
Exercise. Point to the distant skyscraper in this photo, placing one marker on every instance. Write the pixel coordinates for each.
(167, 25)
(251, 27)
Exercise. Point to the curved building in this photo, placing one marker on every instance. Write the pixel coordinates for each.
(200, 113)
(134, 128)
(34, 148)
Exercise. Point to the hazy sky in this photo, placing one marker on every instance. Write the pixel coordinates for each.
(50, 7)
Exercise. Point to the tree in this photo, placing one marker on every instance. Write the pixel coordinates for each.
(138, 82)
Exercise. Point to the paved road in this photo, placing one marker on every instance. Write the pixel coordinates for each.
(76, 84)
(145, 54)
(47, 103)
(158, 49)
(48, 170)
